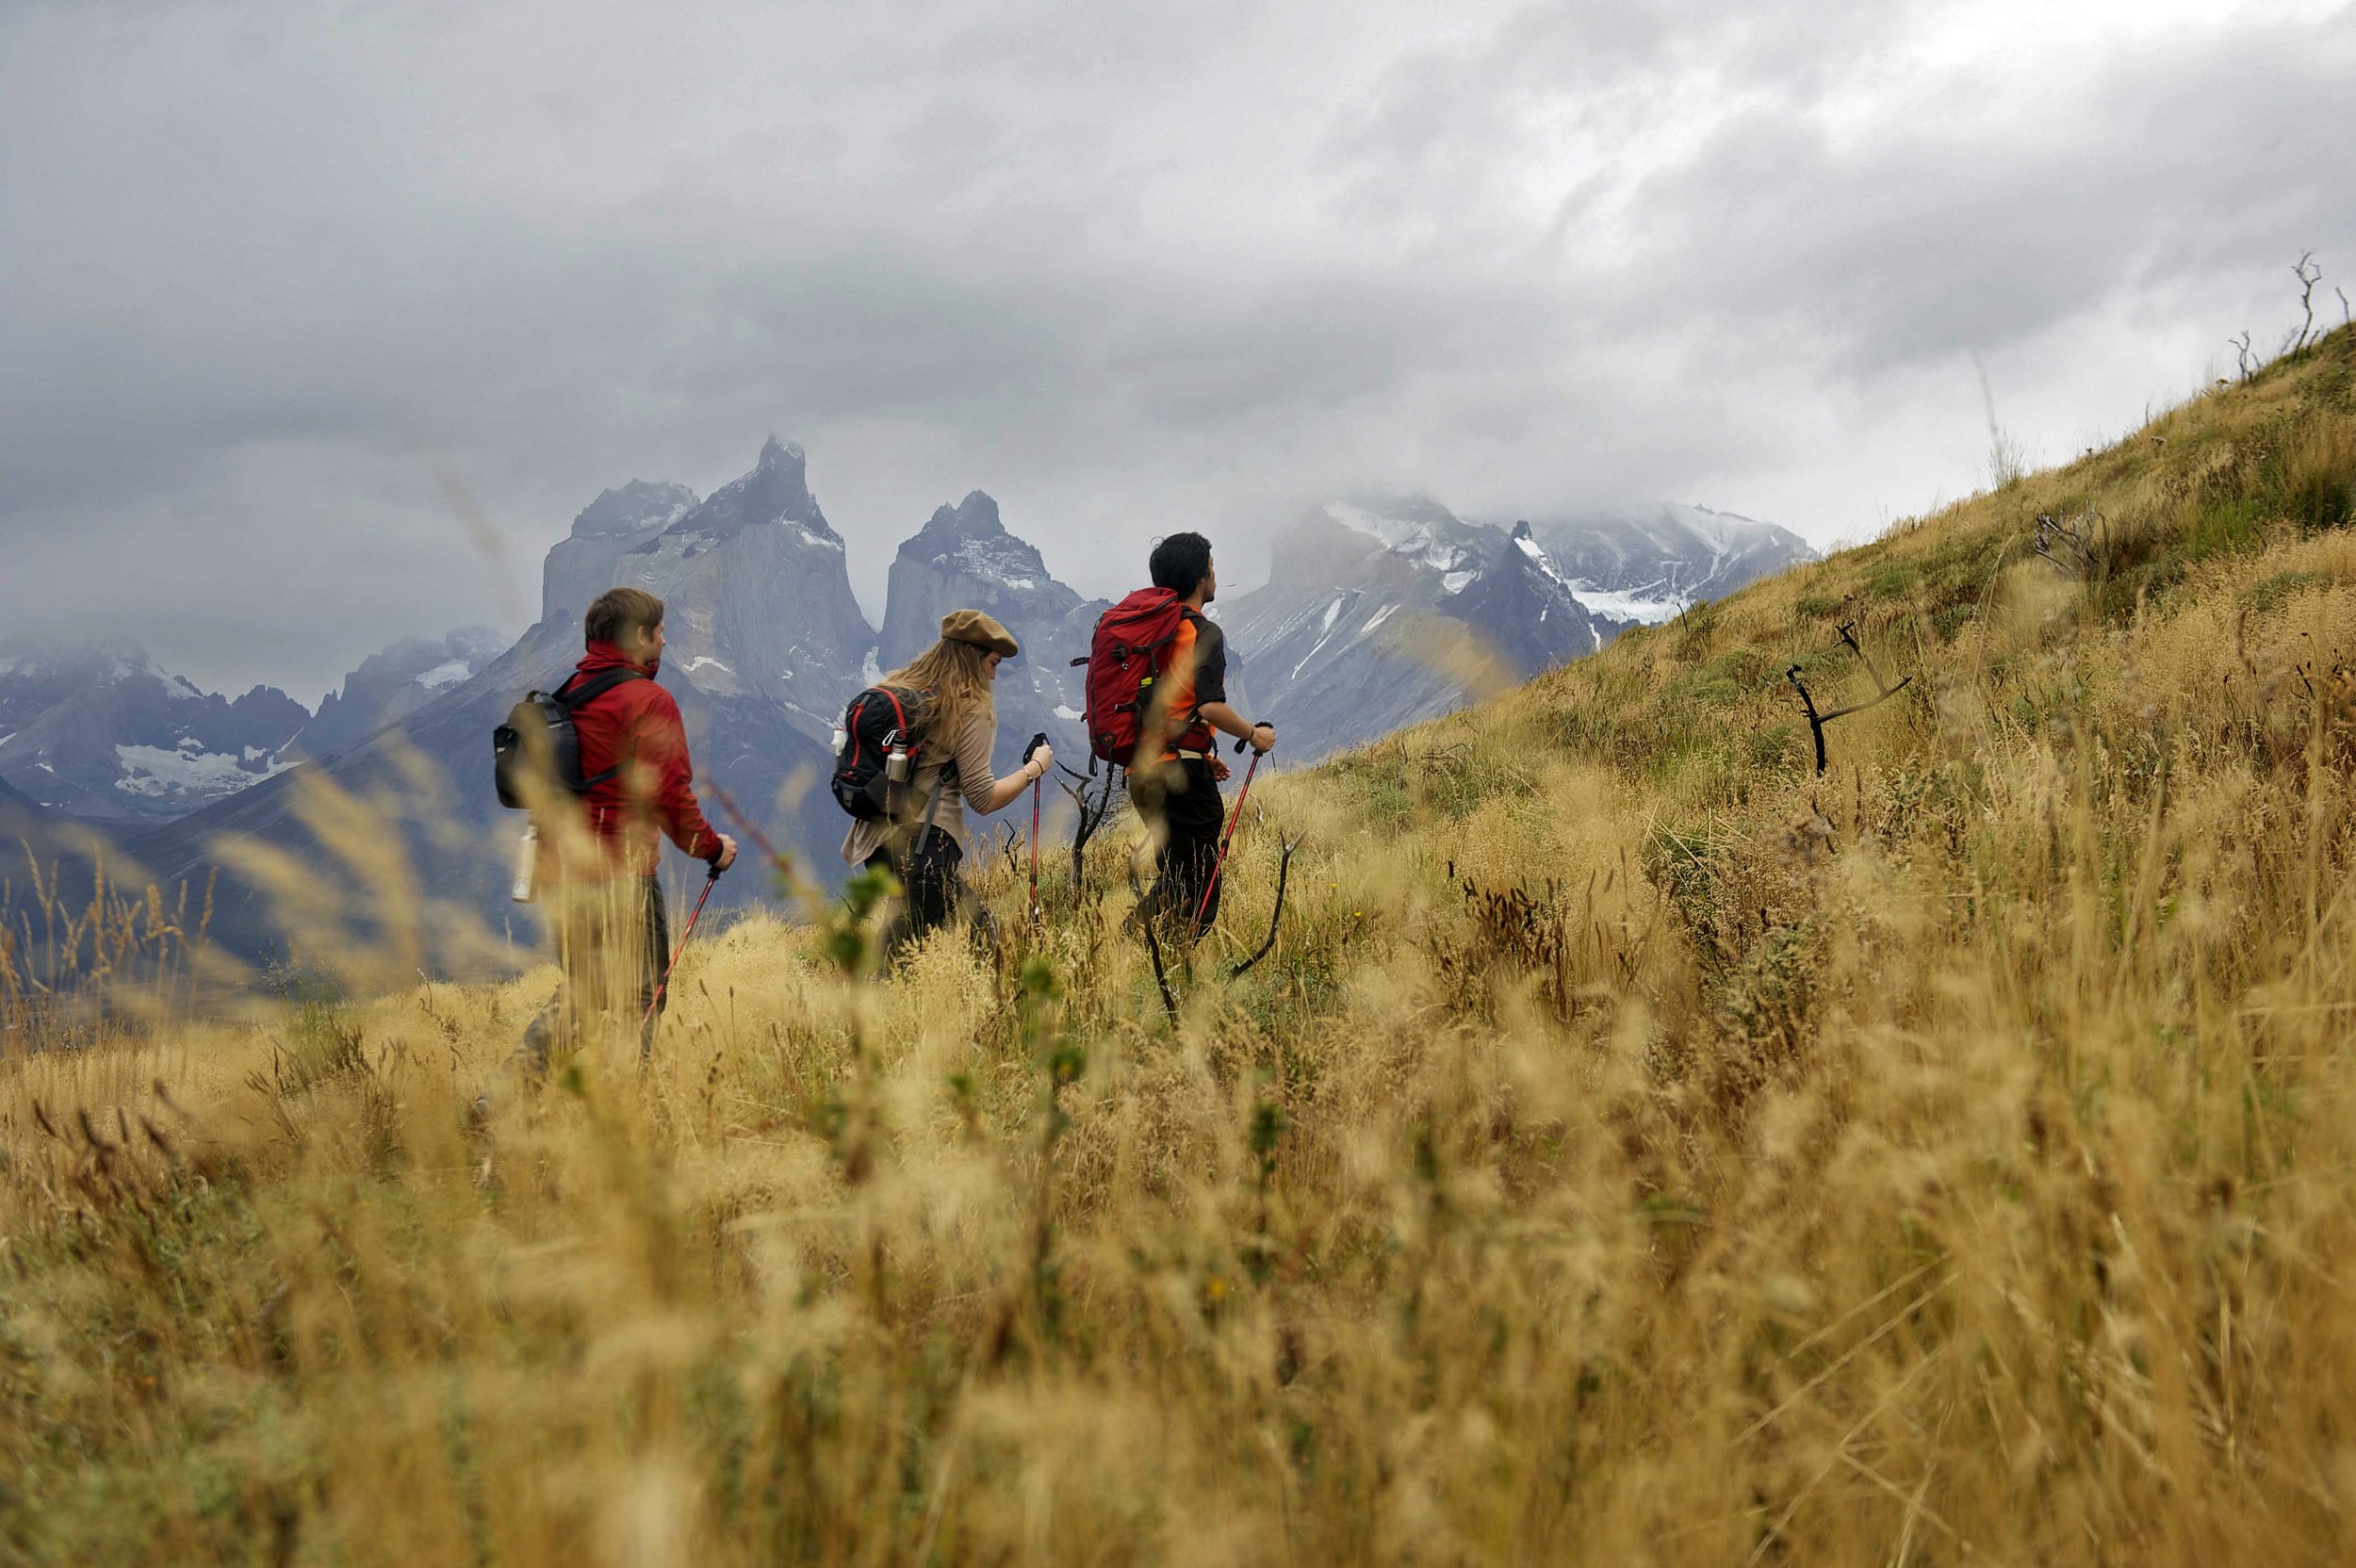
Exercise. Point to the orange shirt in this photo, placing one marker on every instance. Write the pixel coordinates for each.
(1197, 674)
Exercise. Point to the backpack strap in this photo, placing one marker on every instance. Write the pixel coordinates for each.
(924, 834)
(573, 698)
(941, 782)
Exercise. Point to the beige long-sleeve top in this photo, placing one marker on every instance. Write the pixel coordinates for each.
(973, 777)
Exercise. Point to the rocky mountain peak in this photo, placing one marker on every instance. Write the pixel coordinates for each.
(776, 491)
(974, 517)
(581, 566)
(1524, 610)
(633, 508)
(397, 681)
(963, 558)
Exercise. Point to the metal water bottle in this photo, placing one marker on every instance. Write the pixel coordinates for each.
(896, 763)
(527, 865)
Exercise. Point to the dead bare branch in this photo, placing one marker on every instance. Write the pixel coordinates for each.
(2068, 544)
(1161, 976)
(2309, 274)
(1093, 814)
(1817, 721)
(1284, 867)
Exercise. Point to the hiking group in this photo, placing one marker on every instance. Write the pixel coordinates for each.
(603, 763)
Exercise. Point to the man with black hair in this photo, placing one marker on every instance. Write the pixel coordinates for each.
(1176, 792)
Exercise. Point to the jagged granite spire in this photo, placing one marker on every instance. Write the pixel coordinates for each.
(964, 558)
(585, 563)
(1525, 611)
(777, 491)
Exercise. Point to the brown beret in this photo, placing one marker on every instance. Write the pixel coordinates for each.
(972, 625)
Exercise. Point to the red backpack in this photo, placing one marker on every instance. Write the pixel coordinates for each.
(1128, 653)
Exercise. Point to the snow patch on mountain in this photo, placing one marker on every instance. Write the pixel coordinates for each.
(1645, 606)
(191, 773)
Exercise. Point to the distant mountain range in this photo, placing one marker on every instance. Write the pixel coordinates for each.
(1374, 606)
(1373, 609)
(1646, 563)
(104, 735)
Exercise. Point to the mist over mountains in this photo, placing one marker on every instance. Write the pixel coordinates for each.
(1379, 612)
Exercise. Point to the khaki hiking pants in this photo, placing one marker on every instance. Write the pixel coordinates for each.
(612, 941)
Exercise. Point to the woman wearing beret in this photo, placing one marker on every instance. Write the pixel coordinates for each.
(960, 728)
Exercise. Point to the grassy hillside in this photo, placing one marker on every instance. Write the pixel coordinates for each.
(1636, 1148)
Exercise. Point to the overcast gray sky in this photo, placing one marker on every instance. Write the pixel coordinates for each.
(275, 277)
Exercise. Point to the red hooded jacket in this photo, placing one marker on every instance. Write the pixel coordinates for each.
(636, 725)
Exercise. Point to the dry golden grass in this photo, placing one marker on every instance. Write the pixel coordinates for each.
(1636, 1148)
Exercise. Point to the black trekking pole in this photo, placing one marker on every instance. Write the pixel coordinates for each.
(1028, 752)
(710, 877)
(1228, 838)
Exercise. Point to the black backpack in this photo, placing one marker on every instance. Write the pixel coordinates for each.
(539, 733)
(880, 721)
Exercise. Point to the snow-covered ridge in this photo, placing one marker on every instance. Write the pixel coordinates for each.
(1414, 533)
(1668, 555)
(1538, 557)
(1005, 560)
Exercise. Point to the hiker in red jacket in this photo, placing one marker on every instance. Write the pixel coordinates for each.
(597, 861)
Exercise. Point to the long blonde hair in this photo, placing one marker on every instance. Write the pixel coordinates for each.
(957, 675)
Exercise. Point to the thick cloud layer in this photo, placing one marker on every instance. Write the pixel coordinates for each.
(294, 298)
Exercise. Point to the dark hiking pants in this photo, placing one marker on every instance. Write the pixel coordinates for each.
(612, 941)
(932, 890)
(1180, 804)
